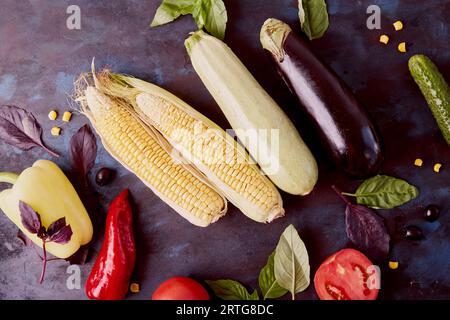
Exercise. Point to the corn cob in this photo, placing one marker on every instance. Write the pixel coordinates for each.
(248, 107)
(145, 153)
(215, 153)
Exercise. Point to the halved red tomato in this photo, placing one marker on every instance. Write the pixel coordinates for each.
(347, 275)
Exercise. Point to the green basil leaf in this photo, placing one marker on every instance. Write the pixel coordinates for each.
(199, 13)
(384, 192)
(231, 290)
(292, 268)
(208, 14)
(269, 286)
(212, 15)
(254, 295)
(169, 10)
(313, 17)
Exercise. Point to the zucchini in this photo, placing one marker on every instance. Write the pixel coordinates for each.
(260, 124)
(434, 88)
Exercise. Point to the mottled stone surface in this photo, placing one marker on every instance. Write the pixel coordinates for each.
(40, 58)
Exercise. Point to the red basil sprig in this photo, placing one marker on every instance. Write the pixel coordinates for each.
(366, 229)
(19, 128)
(58, 231)
(83, 151)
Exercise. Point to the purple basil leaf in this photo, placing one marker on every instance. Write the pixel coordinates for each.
(31, 220)
(19, 128)
(56, 226)
(62, 236)
(83, 150)
(367, 231)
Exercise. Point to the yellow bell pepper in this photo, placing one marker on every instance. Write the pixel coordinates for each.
(48, 191)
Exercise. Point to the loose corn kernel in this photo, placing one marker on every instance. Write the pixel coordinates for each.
(67, 116)
(437, 167)
(134, 288)
(418, 162)
(393, 265)
(402, 47)
(52, 115)
(398, 25)
(56, 131)
(384, 39)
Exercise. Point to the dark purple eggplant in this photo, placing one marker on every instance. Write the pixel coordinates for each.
(344, 127)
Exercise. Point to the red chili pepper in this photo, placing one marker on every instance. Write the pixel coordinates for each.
(110, 276)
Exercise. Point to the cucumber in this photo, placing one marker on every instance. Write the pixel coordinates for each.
(435, 90)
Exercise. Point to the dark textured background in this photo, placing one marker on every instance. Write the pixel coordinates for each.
(40, 58)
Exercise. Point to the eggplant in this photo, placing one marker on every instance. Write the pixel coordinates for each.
(343, 125)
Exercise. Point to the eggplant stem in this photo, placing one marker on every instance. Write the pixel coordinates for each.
(341, 195)
(8, 177)
(44, 262)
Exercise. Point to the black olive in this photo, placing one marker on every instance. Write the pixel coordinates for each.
(432, 213)
(104, 176)
(413, 233)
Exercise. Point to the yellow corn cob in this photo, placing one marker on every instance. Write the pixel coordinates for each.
(142, 151)
(224, 162)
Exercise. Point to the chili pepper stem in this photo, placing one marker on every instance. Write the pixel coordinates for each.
(44, 262)
(8, 177)
(341, 195)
